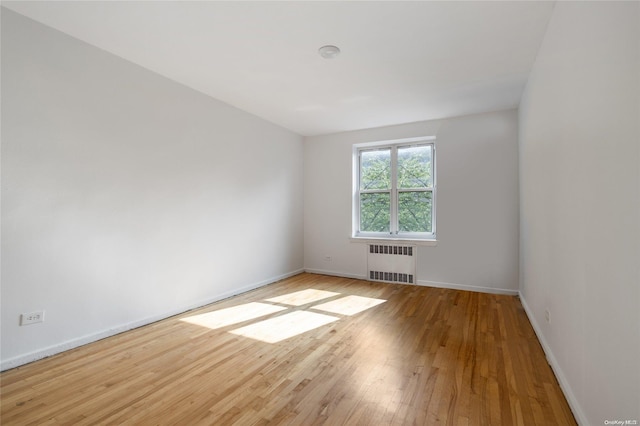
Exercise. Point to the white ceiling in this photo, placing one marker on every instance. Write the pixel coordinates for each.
(400, 62)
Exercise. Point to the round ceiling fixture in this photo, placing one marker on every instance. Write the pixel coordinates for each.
(329, 52)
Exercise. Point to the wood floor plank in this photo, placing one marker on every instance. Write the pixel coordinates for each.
(393, 355)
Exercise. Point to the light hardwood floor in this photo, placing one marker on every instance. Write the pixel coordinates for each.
(411, 356)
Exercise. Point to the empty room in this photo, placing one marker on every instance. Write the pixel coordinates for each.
(320, 212)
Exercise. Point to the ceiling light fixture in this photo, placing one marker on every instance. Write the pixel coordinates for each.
(329, 52)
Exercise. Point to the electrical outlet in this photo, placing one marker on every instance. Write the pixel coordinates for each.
(32, 318)
(327, 258)
(547, 316)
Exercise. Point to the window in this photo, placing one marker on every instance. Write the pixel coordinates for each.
(395, 190)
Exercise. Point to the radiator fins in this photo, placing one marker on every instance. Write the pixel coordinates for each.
(395, 277)
(395, 250)
(392, 263)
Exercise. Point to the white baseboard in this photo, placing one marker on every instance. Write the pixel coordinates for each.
(335, 274)
(422, 283)
(74, 343)
(467, 287)
(578, 413)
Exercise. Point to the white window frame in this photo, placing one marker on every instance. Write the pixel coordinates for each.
(394, 234)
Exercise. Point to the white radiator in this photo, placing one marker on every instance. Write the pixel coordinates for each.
(392, 263)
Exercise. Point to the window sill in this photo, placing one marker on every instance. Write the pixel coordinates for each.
(376, 240)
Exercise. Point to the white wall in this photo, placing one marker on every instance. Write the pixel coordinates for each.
(580, 191)
(477, 202)
(127, 197)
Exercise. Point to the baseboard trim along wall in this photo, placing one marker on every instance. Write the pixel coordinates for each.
(466, 287)
(335, 274)
(424, 283)
(564, 384)
(74, 343)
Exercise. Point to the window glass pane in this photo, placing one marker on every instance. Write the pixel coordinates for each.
(375, 212)
(414, 211)
(375, 169)
(414, 167)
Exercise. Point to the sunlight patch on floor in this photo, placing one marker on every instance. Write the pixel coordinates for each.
(282, 327)
(349, 305)
(234, 315)
(302, 297)
(285, 325)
